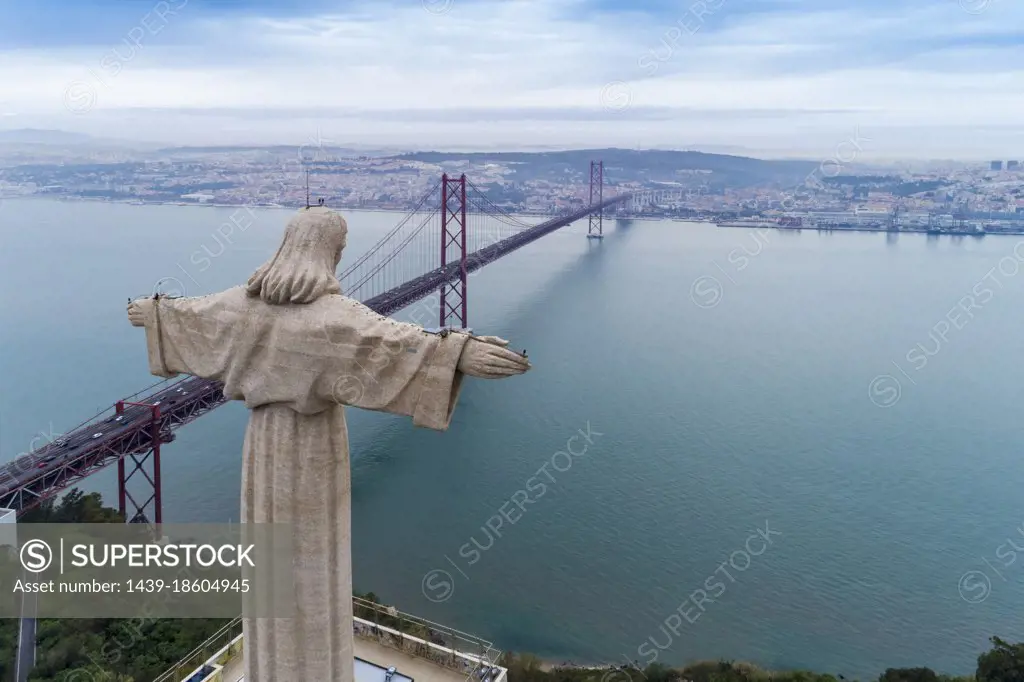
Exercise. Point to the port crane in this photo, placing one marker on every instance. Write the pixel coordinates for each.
(960, 215)
(894, 216)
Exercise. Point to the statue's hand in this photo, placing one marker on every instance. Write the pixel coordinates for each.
(139, 310)
(487, 358)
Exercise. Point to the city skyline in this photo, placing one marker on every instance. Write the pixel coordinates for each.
(920, 79)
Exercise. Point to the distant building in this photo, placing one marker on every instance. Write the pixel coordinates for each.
(997, 165)
(1013, 165)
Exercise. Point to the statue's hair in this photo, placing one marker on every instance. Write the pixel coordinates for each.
(303, 268)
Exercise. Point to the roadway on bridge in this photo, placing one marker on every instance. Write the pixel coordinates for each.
(76, 443)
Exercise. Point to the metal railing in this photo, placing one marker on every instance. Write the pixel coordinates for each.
(453, 649)
(202, 653)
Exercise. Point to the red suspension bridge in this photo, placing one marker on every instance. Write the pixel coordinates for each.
(452, 232)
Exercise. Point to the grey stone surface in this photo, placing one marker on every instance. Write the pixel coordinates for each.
(296, 350)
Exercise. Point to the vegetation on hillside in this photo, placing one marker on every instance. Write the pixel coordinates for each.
(100, 649)
(635, 165)
(862, 184)
(1003, 663)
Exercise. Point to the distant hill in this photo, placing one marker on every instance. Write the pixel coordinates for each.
(650, 165)
(39, 136)
(621, 165)
(647, 167)
(309, 150)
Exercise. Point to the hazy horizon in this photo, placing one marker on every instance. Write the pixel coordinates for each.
(64, 138)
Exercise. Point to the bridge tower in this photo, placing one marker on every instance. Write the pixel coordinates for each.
(594, 230)
(453, 245)
(151, 509)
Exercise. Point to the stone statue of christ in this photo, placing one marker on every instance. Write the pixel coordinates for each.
(295, 350)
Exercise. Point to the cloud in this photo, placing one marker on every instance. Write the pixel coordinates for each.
(776, 74)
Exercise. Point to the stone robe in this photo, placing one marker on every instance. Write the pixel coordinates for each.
(294, 366)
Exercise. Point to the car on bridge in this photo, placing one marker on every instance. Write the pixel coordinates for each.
(45, 460)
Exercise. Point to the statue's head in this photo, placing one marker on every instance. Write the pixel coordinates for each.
(303, 268)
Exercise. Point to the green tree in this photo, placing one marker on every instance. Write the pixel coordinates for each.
(908, 675)
(1003, 663)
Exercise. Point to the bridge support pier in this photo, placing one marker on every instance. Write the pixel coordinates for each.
(454, 302)
(150, 510)
(595, 230)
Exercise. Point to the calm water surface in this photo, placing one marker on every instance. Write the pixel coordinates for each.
(752, 408)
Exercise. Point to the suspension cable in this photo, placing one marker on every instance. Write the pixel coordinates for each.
(380, 244)
(391, 256)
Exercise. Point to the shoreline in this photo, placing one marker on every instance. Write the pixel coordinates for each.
(398, 211)
(549, 665)
(210, 204)
(404, 211)
(759, 225)
(291, 207)
(873, 230)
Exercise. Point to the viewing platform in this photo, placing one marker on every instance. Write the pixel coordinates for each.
(389, 646)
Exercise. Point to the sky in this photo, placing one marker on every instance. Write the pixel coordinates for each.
(890, 79)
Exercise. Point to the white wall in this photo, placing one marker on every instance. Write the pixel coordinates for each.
(8, 528)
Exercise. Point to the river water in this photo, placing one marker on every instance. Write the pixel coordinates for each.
(801, 449)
